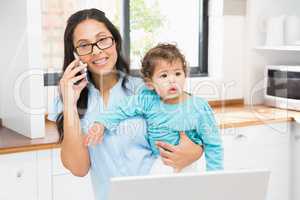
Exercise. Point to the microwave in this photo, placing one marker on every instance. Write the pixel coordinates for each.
(282, 86)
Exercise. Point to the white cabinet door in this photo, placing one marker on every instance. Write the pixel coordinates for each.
(18, 177)
(67, 186)
(295, 133)
(44, 173)
(261, 147)
(235, 148)
(74, 188)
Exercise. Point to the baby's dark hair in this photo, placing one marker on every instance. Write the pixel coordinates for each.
(163, 51)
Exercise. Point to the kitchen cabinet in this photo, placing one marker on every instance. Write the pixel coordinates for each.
(295, 161)
(40, 175)
(44, 174)
(261, 147)
(21, 80)
(67, 186)
(18, 177)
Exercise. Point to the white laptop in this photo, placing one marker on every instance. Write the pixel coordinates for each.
(222, 185)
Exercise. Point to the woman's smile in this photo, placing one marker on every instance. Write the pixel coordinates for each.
(100, 62)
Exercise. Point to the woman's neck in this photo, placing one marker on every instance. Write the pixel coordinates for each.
(105, 82)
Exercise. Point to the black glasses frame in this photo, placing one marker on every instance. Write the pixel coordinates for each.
(95, 44)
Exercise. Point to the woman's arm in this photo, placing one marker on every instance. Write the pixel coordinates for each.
(74, 154)
(182, 155)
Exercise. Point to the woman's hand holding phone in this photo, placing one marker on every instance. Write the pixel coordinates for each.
(70, 91)
(80, 63)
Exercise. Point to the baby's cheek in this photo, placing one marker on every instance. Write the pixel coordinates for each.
(159, 91)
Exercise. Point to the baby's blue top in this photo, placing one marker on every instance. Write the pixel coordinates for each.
(124, 151)
(165, 121)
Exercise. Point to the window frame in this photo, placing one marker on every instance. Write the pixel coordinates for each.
(194, 71)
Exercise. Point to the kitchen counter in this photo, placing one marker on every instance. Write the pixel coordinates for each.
(12, 142)
(227, 117)
(243, 115)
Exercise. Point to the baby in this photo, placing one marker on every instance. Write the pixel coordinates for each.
(167, 109)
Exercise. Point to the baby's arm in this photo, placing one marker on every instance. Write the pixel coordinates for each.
(131, 106)
(95, 134)
(212, 143)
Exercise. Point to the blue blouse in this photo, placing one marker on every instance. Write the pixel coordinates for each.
(124, 151)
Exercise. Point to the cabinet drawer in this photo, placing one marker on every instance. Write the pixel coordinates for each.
(18, 174)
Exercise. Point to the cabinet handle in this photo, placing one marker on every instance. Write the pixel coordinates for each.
(240, 136)
(20, 173)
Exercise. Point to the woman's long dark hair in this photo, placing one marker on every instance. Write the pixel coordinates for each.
(121, 64)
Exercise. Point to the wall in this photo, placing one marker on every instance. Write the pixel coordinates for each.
(226, 57)
(13, 41)
(22, 77)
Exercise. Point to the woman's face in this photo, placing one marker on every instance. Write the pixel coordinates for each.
(100, 62)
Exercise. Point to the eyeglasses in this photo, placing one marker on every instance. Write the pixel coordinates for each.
(103, 43)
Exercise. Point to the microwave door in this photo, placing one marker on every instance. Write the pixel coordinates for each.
(277, 83)
(293, 85)
(284, 84)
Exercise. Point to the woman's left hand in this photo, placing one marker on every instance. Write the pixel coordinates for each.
(182, 155)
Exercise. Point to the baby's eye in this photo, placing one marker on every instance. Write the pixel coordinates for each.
(163, 76)
(178, 73)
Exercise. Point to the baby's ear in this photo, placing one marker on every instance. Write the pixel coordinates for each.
(149, 84)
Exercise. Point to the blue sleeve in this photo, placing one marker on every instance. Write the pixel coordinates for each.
(131, 106)
(211, 139)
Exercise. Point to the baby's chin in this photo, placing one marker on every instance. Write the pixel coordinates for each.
(172, 97)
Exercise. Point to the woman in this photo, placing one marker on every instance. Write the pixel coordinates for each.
(125, 152)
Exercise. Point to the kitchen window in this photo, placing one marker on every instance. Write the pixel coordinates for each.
(185, 23)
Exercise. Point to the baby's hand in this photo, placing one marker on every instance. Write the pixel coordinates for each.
(95, 134)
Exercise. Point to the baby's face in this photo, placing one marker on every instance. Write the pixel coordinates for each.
(168, 79)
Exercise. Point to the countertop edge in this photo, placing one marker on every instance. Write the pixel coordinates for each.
(37, 147)
(255, 123)
(29, 148)
(222, 125)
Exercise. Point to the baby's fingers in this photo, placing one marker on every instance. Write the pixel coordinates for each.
(89, 139)
(97, 139)
(86, 140)
(93, 138)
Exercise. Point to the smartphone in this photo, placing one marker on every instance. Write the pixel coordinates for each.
(80, 63)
